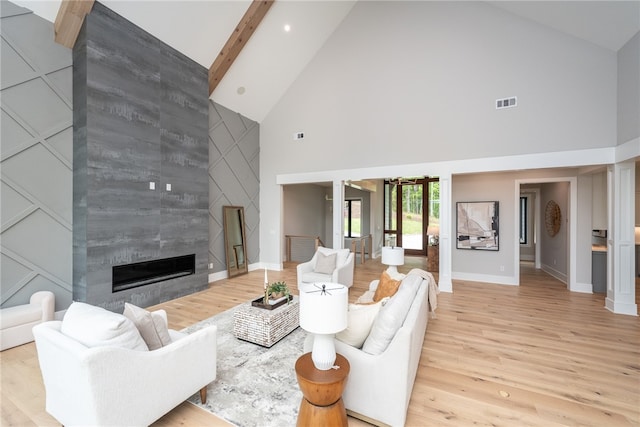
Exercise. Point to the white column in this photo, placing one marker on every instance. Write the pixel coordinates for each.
(446, 242)
(621, 286)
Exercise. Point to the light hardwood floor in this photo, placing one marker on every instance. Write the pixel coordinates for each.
(495, 355)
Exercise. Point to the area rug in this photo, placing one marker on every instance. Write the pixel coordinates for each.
(255, 386)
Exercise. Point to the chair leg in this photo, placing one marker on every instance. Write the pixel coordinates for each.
(203, 395)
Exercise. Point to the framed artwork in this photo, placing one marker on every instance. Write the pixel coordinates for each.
(477, 226)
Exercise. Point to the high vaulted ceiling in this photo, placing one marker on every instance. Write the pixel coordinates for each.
(273, 57)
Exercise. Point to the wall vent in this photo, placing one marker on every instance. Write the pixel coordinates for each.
(506, 102)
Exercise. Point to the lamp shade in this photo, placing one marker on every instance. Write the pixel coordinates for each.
(433, 230)
(323, 307)
(323, 312)
(392, 255)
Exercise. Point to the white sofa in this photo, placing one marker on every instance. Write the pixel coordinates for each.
(379, 386)
(16, 322)
(343, 273)
(114, 386)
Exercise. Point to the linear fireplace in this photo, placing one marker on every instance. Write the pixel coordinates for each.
(144, 273)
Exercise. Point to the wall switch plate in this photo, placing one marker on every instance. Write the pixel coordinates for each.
(152, 185)
(168, 187)
(210, 265)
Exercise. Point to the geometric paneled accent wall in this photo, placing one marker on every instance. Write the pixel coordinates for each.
(35, 159)
(234, 179)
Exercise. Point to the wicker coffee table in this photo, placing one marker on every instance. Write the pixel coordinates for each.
(266, 327)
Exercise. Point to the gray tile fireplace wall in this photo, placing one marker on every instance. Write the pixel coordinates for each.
(141, 117)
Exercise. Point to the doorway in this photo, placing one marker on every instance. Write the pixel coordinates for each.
(411, 206)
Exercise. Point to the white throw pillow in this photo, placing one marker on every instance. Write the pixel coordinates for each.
(96, 327)
(360, 318)
(325, 264)
(151, 326)
(391, 317)
(341, 254)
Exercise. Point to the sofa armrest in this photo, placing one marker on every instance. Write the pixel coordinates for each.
(344, 274)
(305, 267)
(47, 301)
(372, 376)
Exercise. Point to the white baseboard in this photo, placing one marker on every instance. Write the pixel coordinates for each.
(472, 277)
(585, 288)
(555, 273)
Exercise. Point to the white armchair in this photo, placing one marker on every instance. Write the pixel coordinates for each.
(342, 272)
(16, 322)
(114, 386)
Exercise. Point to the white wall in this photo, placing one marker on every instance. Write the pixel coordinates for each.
(426, 74)
(629, 90)
(491, 264)
(305, 211)
(400, 84)
(554, 249)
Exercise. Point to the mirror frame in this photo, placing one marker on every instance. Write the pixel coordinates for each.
(235, 249)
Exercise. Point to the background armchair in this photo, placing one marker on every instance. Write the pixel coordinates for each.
(117, 386)
(343, 272)
(16, 322)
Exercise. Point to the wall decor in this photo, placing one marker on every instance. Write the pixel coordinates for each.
(552, 218)
(477, 226)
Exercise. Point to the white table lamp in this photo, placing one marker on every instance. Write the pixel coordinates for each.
(393, 256)
(323, 312)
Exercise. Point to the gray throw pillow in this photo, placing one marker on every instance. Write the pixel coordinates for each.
(325, 264)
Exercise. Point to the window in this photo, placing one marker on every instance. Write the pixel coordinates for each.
(523, 219)
(352, 218)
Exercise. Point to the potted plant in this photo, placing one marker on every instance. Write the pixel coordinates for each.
(278, 290)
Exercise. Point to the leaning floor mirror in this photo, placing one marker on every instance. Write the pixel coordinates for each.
(234, 240)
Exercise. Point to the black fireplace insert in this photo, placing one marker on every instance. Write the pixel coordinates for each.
(144, 273)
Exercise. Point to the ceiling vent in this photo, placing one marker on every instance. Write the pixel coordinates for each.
(506, 102)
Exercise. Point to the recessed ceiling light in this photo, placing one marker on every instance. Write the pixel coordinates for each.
(241, 90)
(287, 28)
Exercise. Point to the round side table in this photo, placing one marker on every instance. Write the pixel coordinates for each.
(322, 403)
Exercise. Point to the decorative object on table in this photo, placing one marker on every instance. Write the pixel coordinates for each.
(323, 312)
(477, 226)
(393, 256)
(276, 291)
(266, 327)
(275, 295)
(552, 218)
(322, 404)
(433, 234)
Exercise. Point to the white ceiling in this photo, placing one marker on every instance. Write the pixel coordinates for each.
(273, 58)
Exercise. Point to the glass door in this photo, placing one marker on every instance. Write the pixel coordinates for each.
(411, 213)
(404, 215)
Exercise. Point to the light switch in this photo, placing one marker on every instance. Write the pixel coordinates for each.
(168, 187)
(152, 185)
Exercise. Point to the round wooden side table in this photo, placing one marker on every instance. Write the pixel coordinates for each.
(322, 403)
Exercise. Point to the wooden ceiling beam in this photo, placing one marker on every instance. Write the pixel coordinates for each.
(69, 21)
(232, 48)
